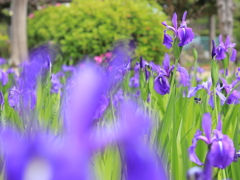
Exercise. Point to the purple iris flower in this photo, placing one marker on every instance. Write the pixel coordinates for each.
(140, 161)
(66, 68)
(103, 104)
(222, 49)
(235, 96)
(184, 33)
(221, 149)
(3, 78)
(56, 84)
(207, 86)
(237, 74)
(2, 61)
(26, 97)
(161, 84)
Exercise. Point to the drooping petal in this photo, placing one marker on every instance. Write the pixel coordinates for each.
(211, 101)
(194, 173)
(207, 126)
(191, 151)
(174, 20)
(220, 95)
(185, 35)
(213, 49)
(167, 40)
(161, 85)
(183, 75)
(169, 27)
(222, 151)
(193, 90)
(234, 55)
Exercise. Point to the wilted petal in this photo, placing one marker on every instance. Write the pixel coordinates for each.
(161, 85)
(167, 40)
(207, 126)
(191, 151)
(183, 75)
(234, 55)
(185, 35)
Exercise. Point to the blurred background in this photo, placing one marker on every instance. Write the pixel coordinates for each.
(78, 28)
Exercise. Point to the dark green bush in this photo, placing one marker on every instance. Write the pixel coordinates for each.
(90, 27)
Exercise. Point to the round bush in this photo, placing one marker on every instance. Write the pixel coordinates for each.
(91, 27)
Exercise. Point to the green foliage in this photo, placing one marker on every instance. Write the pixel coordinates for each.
(91, 27)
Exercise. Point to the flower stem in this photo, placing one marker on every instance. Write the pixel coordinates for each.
(174, 76)
(215, 102)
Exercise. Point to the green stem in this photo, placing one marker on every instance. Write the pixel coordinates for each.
(174, 76)
(215, 102)
(235, 87)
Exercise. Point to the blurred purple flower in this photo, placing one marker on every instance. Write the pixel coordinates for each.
(184, 76)
(2, 61)
(17, 97)
(3, 78)
(56, 84)
(66, 68)
(184, 33)
(235, 96)
(103, 104)
(222, 49)
(221, 148)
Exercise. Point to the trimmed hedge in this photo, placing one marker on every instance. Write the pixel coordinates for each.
(90, 27)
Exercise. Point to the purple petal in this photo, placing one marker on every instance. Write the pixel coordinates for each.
(166, 62)
(220, 53)
(191, 151)
(174, 20)
(193, 90)
(185, 35)
(220, 39)
(4, 78)
(167, 40)
(207, 126)
(222, 152)
(161, 85)
(227, 42)
(184, 16)
(211, 101)
(220, 95)
(234, 55)
(213, 49)
(183, 75)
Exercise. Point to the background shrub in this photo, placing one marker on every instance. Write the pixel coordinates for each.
(90, 27)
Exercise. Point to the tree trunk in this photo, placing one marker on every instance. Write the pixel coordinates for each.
(19, 32)
(225, 17)
(212, 32)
